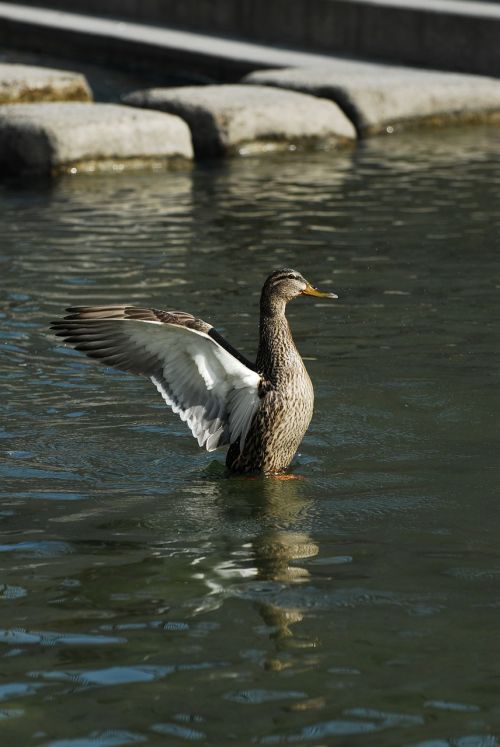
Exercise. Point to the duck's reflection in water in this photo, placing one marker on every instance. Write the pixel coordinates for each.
(264, 566)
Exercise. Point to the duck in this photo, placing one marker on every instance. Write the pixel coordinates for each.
(260, 410)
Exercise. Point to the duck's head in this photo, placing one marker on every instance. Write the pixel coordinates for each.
(286, 284)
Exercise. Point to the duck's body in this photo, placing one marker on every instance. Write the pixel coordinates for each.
(285, 407)
(261, 411)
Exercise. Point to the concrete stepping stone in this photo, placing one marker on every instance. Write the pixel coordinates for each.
(380, 98)
(28, 83)
(51, 138)
(229, 119)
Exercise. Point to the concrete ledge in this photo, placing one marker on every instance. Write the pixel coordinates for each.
(139, 46)
(228, 119)
(448, 34)
(29, 83)
(50, 138)
(380, 98)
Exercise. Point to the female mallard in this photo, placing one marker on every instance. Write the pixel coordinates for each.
(261, 411)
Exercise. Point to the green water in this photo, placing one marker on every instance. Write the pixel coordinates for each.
(145, 598)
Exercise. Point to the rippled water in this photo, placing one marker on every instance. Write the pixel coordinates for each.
(147, 599)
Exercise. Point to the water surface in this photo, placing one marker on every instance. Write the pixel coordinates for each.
(146, 598)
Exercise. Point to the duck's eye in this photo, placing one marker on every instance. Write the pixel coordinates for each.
(292, 277)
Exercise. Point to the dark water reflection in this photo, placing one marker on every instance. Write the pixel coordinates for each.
(148, 599)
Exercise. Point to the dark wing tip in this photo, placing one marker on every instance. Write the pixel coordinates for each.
(57, 326)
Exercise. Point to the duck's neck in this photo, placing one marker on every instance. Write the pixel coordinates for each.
(277, 353)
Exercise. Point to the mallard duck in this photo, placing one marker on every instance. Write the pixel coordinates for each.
(261, 411)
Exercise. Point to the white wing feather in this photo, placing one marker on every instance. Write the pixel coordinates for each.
(211, 390)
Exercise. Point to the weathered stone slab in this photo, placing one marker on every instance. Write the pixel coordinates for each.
(29, 83)
(227, 119)
(381, 98)
(50, 138)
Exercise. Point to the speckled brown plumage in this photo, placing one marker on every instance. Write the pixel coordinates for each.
(286, 404)
(260, 410)
(287, 395)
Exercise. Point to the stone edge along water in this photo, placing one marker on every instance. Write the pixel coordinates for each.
(50, 138)
(227, 119)
(30, 83)
(323, 104)
(380, 98)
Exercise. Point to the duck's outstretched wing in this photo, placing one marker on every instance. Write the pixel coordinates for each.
(203, 379)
